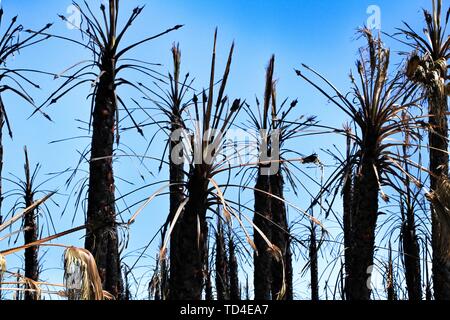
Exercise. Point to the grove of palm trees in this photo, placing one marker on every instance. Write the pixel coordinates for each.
(137, 162)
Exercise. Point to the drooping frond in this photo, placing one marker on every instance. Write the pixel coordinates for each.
(81, 277)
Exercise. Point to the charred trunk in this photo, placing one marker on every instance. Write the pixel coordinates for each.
(102, 236)
(207, 273)
(2, 122)
(314, 264)
(439, 158)
(222, 280)
(187, 252)
(30, 233)
(347, 197)
(362, 233)
(262, 257)
(281, 270)
(176, 168)
(411, 255)
(235, 292)
(390, 287)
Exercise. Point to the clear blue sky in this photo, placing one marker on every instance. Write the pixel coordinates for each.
(318, 33)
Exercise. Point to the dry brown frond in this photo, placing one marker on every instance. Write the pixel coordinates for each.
(81, 276)
(427, 71)
(2, 265)
(278, 255)
(33, 287)
(412, 65)
(107, 295)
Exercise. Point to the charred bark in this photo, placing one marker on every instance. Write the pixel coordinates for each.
(235, 292)
(187, 251)
(102, 238)
(364, 219)
(262, 257)
(222, 279)
(281, 270)
(411, 254)
(347, 195)
(2, 122)
(30, 233)
(391, 294)
(439, 158)
(314, 264)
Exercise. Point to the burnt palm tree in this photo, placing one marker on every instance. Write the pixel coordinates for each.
(189, 229)
(427, 66)
(376, 109)
(262, 277)
(171, 104)
(272, 272)
(30, 230)
(104, 41)
(175, 113)
(409, 202)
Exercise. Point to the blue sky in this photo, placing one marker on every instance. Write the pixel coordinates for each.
(318, 33)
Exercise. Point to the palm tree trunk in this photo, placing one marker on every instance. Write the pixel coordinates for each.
(188, 246)
(222, 281)
(390, 286)
(176, 176)
(262, 258)
(176, 173)
(411, 249)
(207, 273)
(411, 255)
(2, 121)
(347, 198)
(30, 233)
(235, 292)
(314, 264)
(364, 218)
(102, 237)
(439, 158)
(280, 238)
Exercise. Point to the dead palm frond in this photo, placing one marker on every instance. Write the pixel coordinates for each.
(81, 277)
(2, 266)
